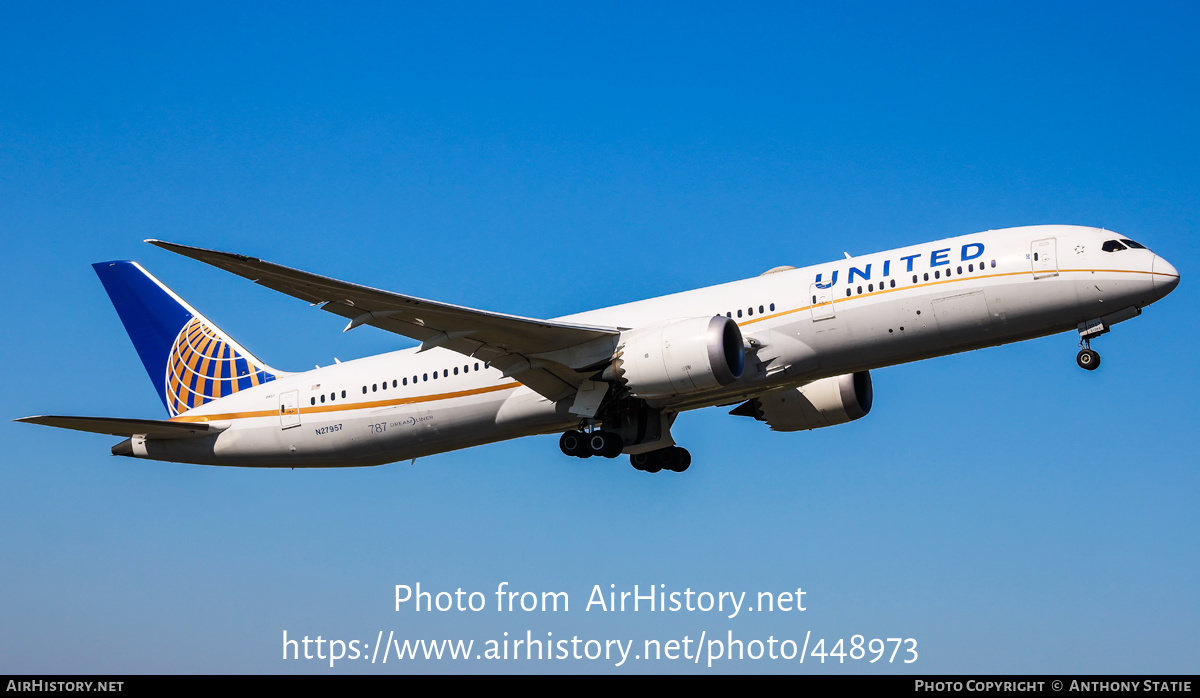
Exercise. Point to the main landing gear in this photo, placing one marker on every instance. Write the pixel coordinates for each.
(585, 445)
(672, 458)
(607, 444)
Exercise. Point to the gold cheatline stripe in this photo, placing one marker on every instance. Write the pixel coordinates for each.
(963, 277)
(350, 406)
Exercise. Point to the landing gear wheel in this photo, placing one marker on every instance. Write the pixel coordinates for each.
(605, 444)
(1087, 359)
(672, 458)
(676, 459)
(650, 462)
(615, 444)
(573, 443)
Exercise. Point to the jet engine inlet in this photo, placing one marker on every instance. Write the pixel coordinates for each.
(679, 357)
(822, 403)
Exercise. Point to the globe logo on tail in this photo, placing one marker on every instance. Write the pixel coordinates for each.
(203, 366)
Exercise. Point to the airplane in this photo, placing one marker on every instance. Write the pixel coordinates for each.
(792, 348)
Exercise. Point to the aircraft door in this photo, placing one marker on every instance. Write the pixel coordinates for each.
(822, 302)
(289, 409)
(1043, 258)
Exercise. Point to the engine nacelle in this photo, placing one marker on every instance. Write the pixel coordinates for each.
(822, 403)
(679, 357)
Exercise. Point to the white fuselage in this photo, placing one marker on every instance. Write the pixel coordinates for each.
(800, 325)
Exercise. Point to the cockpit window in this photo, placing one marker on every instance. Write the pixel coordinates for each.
(1113, 246)
(1134, 245)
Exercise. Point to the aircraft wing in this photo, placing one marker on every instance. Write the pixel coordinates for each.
(150, 428)
(545, 355)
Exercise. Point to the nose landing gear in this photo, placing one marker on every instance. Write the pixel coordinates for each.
(1088, 359)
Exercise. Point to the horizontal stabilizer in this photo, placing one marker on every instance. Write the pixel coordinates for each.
(149, 428)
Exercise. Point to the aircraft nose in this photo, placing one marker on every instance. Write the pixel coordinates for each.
(1166, 278)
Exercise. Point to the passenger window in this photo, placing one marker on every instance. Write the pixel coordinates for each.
(364, 390)
(959, 270)
(322, 399)
(772, 307)
(343, 394)
(927, 276)
(993, 264)
(393, 382)
(739, 313)
(456, 370)
(425, 376)
(760, 310)
(847, 293)
(860, 290)
(445, 373)
(937, 274)
(476, 365)
(373, 387)
(750, 312)
(312, 401)
(892, 283)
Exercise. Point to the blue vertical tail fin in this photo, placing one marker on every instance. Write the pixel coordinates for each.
(189, 359)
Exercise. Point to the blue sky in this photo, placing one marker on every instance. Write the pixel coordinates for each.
(1006, 509)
